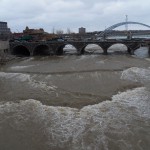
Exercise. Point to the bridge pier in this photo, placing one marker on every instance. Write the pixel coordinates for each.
(132, 47)
(105, 47)
(31, 53)
(149, 50)
(130, 51)
(105, 51)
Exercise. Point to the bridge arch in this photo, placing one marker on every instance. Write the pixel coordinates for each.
(42, 50)
(117, 47)
(21, 50)
(109, 29)
(92, 49)
(66, 48)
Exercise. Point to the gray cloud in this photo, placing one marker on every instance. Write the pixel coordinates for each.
(63, 14)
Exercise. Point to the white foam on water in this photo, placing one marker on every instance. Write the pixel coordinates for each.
(136, 74)
(148, 59)
(100, 62)
(28, 59)
(69, 47)
(21, 67)
(82, 57)
(87, 57)
(117, 47)
(93, 127)
(20, 77)
(141, 52)
(15, 76)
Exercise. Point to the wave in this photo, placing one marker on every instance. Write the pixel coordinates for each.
(115, 124)
(20, 77)
(21, 67)
(136, 74)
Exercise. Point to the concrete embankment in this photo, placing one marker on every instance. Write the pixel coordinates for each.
(4, 52)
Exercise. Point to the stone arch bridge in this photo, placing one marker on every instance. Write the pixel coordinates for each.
(56, 47)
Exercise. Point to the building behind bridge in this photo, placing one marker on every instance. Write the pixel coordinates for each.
(33, 35)
(82, 30)
(5, 32)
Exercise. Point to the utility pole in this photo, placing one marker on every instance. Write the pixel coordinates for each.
(126, 25)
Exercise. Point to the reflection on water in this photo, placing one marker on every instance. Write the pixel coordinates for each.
(76, 102)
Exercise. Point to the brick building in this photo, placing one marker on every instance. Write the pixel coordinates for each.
(37, 35)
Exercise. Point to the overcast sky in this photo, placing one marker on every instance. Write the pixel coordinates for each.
(94, 15)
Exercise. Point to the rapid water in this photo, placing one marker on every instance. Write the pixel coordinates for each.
(89, 102)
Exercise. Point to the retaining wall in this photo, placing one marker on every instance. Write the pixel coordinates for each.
(4, 46)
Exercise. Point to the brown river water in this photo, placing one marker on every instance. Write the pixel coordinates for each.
(70, 102)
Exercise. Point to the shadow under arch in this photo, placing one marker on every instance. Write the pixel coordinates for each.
(67, 49)
(92, 49)
(118, 48)
(42, 50)
(21, 51)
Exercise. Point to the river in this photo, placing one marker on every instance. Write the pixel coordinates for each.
(70, 102)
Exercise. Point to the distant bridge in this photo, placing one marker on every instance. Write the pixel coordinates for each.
(57, 48)
(109, 29)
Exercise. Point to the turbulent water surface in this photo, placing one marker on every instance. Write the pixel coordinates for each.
(88, 102)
